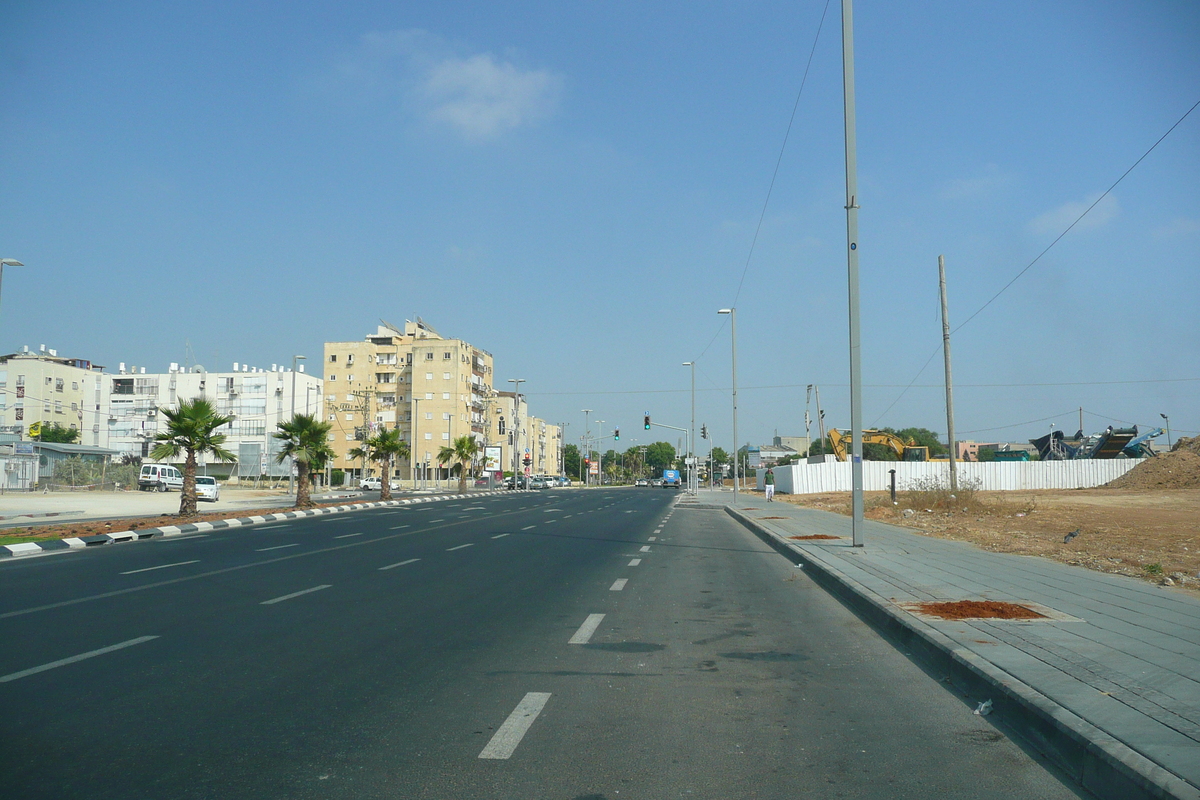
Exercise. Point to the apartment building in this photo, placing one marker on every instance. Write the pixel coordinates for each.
(435, 389)
(41, 386)
(529, 435)
(258, 399)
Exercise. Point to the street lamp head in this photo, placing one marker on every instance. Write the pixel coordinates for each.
(11, 262)
(1164, 416)
(724, 310)
(688, 364)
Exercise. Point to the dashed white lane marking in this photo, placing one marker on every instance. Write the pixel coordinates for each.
(160, 566)
(584, 634)
(300, 593)
(398, 527)
(437, 520)
(505, 740)
(529, 527)
(62, 662)
(551, 520)
(460, 547)
(277, 547)
(400, 564)
(475, 508)
(347, 535)
(500, 535)
(652, 538)
(635, 562)
(618, 584)
(645, 549)
(270, 527)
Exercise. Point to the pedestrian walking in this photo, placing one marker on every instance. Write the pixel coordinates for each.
(769, 484)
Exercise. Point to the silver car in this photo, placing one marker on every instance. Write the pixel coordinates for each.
(207, 488)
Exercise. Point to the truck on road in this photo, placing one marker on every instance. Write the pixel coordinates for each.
(670, 479)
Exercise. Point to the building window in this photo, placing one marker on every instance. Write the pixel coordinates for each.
(120, 385)
(429, 395)
(349, 418)
(428, 415)
(332, 417)
(350, 359)
(446, 435)
(333, 358)
(429, 436)
(446, 355)
(428, 376)
(332, 378)
(74, 386)
(445, 395)
(445, 415)
(445, 376)
(350, 378)
(429, 356)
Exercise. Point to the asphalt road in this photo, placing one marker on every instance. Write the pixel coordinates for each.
(562, 644)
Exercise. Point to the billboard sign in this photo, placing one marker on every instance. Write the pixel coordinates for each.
(491, 458)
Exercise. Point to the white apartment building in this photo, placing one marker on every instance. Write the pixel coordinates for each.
(258, 399)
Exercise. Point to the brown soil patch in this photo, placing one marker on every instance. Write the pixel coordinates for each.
(1178, 469)
(1153, 535)
(772, 517)
(94, 527)
(813, 536)
(978, 609)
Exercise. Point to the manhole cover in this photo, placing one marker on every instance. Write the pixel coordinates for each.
(977, 609)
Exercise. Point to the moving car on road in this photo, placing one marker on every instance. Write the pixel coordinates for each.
(207, 488)
(373, 483)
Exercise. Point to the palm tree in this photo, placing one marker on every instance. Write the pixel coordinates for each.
(387, 447)
(190, 429)
(462, 452)
(306, 441)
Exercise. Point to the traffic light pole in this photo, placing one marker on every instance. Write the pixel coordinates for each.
(687, 439)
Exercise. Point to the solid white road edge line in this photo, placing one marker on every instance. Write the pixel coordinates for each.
(460, 547)
(64, 661)
(400, 564)
(584, 634)
(618, 584)
(160, 566)
(505, 740)
(296, 594)
(277, 547)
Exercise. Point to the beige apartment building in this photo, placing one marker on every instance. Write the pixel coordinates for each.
(531, 436)
(434, 389)
(41, 386)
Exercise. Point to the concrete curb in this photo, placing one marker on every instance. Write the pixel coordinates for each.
(25, 549)
(1101, 764)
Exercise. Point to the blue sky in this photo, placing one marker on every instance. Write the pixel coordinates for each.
(575, 188)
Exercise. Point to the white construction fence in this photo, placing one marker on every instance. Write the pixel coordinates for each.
(834, 476)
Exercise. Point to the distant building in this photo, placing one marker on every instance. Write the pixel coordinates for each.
(131, 400)
(42, 387)
(433, 388)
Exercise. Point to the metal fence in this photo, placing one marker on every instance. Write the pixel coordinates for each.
(834, 476)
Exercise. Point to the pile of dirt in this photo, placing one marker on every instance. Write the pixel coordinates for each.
(1178, 469)
(978, 609)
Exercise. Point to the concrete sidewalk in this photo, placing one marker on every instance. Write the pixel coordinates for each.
(1108, 686)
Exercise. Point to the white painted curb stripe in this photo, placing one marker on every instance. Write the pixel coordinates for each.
(296, 594)
(63, 662)
(504, 742)
(400, 564)
(161, 566)
(618, 584)
(584, 634)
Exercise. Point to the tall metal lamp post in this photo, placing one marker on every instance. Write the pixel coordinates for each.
(587, 450)
(8, 262)
(516, 429)
(1167, 420)
(693, 485)
(732, 312)
(292, 466)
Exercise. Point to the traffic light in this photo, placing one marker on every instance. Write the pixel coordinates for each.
(646, 424)
(527, 461)
(617, 434)
(703, 431)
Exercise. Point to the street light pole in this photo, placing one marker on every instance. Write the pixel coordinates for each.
(292, 466)
(857, 523)
(587, 450)
(8, 262)
(732, 312)
(516, 427)
(692, 484)
(1167, 420)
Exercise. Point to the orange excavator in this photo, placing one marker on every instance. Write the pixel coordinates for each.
(904, 450)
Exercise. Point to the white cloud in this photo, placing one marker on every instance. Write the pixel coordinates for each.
(479, 96)
(983, 185)
(482, 98)
(1180, 226)
(1057, 220)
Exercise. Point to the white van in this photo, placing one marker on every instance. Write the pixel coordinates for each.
(159, 477)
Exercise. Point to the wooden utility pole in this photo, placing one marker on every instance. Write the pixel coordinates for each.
(949, 380)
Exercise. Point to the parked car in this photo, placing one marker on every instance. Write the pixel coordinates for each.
(207, 488)
(373, 483)
(538, 482)
(159, 478)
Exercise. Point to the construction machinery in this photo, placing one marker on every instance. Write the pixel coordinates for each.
(839, 441)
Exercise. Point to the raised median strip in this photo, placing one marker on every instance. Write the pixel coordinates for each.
(1091, 755)
(24, 549)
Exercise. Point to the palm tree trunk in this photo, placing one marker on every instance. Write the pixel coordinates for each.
(385, 483)
(187, 495)
(302, 497)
